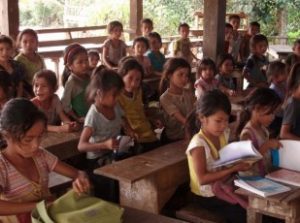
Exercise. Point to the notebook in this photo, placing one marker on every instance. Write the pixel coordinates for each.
(285, 176)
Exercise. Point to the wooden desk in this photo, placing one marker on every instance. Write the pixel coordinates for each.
(148, 181)
(284, 206)
(63, 145)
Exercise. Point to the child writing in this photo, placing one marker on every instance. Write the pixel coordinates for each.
(295, 56)
(14, 68)
(130, 99)
(24, 166)
(227, 84)
(212, 112)
(206, 80)
(27, 42)
(76, 79)
(114, 48)
(253, 29)
(176, 100)
(290, 128)
(256, 65)
(44, 87)
(146, 27)
(157, 59)
(94, 58)
(257, 115)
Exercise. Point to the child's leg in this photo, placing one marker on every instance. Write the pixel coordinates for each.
(219, 191)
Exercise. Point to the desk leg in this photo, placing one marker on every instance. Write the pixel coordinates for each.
(253, 216)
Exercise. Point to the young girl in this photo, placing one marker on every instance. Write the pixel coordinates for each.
(76, 79)
(157, 59)
(256, 65)
(176, 100)
(227, 84)
(14, 68)
(290, 128)
(24, 166)
(206, 80)
(94, 58)
(212, 112)
(44, 87)
(131, 102)
(257, 115)
(27, 42)
(114, 48)
(140, 47)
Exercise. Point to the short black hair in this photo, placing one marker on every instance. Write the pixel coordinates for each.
(254, 23)
(155, 35)
(130, 64)
(141, 39)
(184, 24)
(147, 21)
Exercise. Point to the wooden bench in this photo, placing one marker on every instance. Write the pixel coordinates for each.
(147, 181)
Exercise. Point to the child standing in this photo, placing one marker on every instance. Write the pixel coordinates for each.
(94, 58)
(44, 87)
(295, 56)
(130, 99)
(146, 27)
(235, 21)
(176, 101)
(290, 128)
(212, 111)
(157, 59)
(257, 115)
(114, 48)
(27, 41)
(24, 166)
(228, 37)
(14, 68)
(256, 65)
(76, 74)
(227, 84)
(206, 80)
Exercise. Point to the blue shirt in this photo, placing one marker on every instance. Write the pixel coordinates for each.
(157, 60)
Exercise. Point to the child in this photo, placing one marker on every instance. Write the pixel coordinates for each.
(295, 56)
(235, 21)
(114, 48)
(14, 68)
(253, 29)
(140, 47)
(44, 87)
(94, 58)
(157, 59)
(146, 27)
(5, 88)
(257, 115)
(182, 46)
(176, 101)
(27, 42)
(24, 166)
(290, 128)
(73, 99)
(227, 84)
(228, 37)
(212, 111)
(130, 99)
(206, 80)
(256, 65)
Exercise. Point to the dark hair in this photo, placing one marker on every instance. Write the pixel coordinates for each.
(5, 82)
(222, 58)
(24, 32)
(49, 76)
(234, 16)
(294, 78)
(113, 25)
(147, 21)
(169, 68)
(7, 40)
(103, 80)
(18, 116)
(128, 65)
(142, 40)
(228, 25)
(155, 35)
(297, 41)
(261, 97)
(210, 103)
(184, 24)
(204, 63)
(255, 23)
(93, 53)
(257, 39)
(275, 68)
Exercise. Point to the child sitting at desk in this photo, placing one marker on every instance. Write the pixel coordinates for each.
(295, 56)
(24, 166)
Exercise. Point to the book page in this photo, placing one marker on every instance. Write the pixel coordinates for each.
(289, 155)
(285, 176)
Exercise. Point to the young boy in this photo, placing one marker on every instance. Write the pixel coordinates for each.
(295, 56)
(94, 58)
(228, 37)
(235, 21)
(146, 27)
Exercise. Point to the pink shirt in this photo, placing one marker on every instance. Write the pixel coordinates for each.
(202, 86)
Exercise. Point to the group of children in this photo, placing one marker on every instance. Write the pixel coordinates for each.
(107, 102)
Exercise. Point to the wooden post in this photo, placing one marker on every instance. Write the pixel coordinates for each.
(136, 15)
(214, 26)
(9, 17)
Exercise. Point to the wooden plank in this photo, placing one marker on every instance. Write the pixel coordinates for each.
(74, 29)
(66, 42)
(136, 15)
(9, 17)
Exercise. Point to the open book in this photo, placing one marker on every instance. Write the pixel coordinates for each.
(261, 186)
(285, 176)
(236, 152)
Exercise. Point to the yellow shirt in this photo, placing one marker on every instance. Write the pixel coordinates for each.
(135, 114)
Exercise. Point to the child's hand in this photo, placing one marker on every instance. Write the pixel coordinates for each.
(81, 184)
(112, 143)
(273, 144)
(74, 126)
(242, 166)
(232, 93)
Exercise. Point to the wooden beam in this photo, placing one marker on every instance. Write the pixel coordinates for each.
(136, 15)
(214, 26)
(9, 17)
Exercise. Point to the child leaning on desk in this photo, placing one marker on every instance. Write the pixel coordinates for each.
(24, 166)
